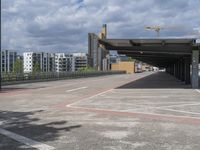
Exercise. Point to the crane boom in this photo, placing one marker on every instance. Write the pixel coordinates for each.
(155, 28)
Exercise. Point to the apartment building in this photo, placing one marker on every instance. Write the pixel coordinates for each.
(52, 62)
(64, 62)
(80, 60)
(70, 62)
(45, 61)
(58, 62)
(8, 59)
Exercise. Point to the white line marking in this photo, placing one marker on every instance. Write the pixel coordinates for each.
(197, 90)
(77, 89)
(180, 105)
(135, 97)
(161, 103)
(26, 141)
(165, 108)
(124, 111)
(69, 105)
(180, 111)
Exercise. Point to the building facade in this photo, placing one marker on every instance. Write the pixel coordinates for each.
(44, 60)
(80, 60)
(54, 62)
(8, 59)
(64, 62)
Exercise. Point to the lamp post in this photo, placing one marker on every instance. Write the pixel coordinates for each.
(0, 54)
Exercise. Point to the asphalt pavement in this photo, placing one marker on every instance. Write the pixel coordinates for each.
(144, 111)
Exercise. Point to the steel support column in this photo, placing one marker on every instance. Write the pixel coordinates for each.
(181, 70)
(178, 69)
(195, 69)
(174, 69)
(187, 61)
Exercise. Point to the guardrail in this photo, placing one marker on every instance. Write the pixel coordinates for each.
(9, 79)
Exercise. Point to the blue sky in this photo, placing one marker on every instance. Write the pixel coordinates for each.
(63, 25)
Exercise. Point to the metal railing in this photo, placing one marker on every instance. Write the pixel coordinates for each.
(9, 79)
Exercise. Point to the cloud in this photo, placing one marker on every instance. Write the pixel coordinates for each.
(63, 25)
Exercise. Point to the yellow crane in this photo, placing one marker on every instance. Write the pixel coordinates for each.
(155, 28)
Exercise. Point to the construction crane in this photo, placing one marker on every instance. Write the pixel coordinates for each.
(155, 28)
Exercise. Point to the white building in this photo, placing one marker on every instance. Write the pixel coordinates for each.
(64, 62)
(58, 62)
(80, 60)
(45, 61)
(8, 59)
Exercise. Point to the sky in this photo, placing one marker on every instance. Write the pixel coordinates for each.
(63, 25)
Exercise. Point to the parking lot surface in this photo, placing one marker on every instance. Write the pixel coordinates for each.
(145, 111)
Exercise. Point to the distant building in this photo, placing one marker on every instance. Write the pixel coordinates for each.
(117, 58)
(54, 62)
(64, 62)
(8, 59)
(128, 66)
(70, 63)
(114, 58)
(45, 61)
(80, 60)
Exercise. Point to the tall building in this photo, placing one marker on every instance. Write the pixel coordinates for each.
(8, 59)
(80, 60)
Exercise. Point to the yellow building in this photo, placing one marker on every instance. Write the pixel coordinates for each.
(128, 66)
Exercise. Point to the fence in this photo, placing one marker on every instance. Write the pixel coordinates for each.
(8, 79)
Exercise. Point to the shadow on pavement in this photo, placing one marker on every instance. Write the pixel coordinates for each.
(8, 90)
(157, 80)
(17, 89)
(25, 124)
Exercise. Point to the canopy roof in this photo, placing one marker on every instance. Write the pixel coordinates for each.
(158, 52)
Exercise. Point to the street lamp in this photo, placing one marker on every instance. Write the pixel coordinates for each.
(0, 54)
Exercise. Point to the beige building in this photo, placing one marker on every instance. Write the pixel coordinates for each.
(129, 67)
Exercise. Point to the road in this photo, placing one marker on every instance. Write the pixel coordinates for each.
(145, 111)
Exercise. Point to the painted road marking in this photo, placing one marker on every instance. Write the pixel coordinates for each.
(26, 141)
(180, 111)
(198, 90)
(76, 89)
(180, 105)
(167, 108)
(87, 98)
(176, 118)
(151, 116)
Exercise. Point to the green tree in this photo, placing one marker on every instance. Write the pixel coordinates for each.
(131, 59)
(36, 68)
(18, 66)
(86, 69)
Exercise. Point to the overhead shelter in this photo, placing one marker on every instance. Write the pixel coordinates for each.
(176, 55)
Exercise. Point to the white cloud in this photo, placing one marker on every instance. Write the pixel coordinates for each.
(64, 24)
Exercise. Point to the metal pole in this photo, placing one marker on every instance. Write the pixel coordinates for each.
(0, 54)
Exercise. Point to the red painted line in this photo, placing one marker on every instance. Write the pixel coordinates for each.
(144, 116)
